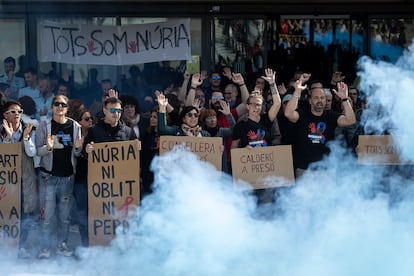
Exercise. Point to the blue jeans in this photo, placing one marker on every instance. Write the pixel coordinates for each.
(56, 195)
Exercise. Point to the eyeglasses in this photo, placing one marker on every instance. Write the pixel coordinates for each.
(87, 119)
(215, 77)
(60, 103)
(115, 110)
(14, 111)
(217, 98)
(189, 114)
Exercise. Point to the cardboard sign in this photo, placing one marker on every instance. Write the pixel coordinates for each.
(193, 65)
(10, 186)
(207, 148)
(379, 150)
(262, 167)
(113, 190)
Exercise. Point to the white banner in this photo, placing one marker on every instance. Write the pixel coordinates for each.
(116, 45)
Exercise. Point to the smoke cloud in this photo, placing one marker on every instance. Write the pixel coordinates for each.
(339, 219)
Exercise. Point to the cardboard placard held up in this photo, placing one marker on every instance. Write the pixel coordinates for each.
(10, 187)
(193, 65)
(263, 167)
(113, 189)
(379, 150)
(207, 148)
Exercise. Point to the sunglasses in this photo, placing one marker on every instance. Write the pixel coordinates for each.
(189, 114)
(87, 119)
(115, 110)
(60, 103)
(15, 111)
(217, 98)
(215, 77)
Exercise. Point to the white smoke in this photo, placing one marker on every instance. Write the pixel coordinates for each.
(340, 219)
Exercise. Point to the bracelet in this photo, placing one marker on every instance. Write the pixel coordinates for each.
(26, 138)
(344, 99)
(240, 85)
(194, 87)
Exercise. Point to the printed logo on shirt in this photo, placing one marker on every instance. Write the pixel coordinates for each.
(257, 139)
(316, 133)
(64, 140)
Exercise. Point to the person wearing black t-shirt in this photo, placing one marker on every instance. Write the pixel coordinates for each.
(58, 142)
(315, 127)
(254, 131)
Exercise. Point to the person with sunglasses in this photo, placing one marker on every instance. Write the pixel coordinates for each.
(58, 142)
(15, 130)
(80, 190)
(189, 117)
(110, 128)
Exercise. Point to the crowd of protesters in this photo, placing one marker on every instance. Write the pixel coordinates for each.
(59, 125)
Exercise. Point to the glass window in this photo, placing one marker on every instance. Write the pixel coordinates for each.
(240, 43)
(389, 38)
(15, 44)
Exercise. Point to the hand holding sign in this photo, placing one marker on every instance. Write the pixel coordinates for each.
(89, 147)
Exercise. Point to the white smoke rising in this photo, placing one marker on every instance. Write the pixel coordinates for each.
(340, 219)
(392, 86)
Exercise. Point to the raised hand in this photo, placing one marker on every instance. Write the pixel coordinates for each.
(27, 130)
(161, 99)
(270, 76)
(305, 77)
(195, 80)
(112, 93)
(341, 91)
(299, 86)
(225, 107)
(237, 78)
(79, 140)
(8, 127)
(89, 147)
(282, 89)
(186, 75)
(227, 73)
(50, 141)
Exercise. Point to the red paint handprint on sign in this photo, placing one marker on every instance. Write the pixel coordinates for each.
(133, 46)
(3, 193)
(91, 46)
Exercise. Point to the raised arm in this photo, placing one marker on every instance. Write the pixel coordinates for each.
(290, 111)
(348, 118)
(237, 78)
(169, 108)
(270, 77)
(183, 90)
(196, 81)
(163, 128)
